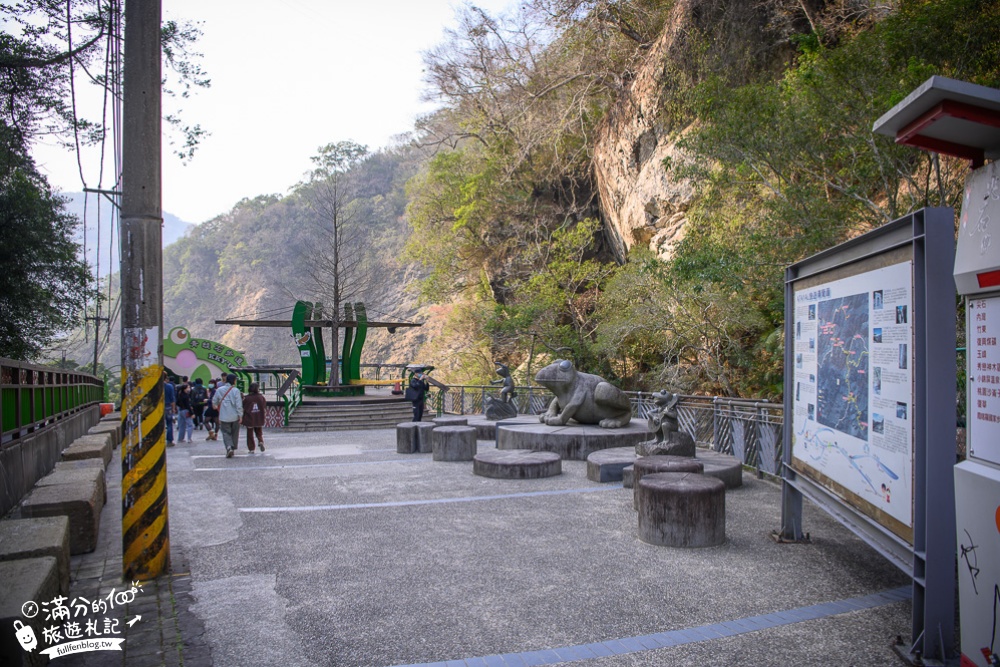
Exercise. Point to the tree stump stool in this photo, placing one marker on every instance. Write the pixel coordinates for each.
(406, 438)
(451, 420)
(454, 443)
(646, 465)
(681, 509)
(425, 437)
(517, 464)
(726, 467)
(628, 476)
(607, 465)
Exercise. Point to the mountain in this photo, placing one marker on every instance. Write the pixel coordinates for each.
(97, 213)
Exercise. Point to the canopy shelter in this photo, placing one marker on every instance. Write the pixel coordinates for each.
(307, 326)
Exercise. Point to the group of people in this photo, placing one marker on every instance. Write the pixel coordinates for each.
(218, 408)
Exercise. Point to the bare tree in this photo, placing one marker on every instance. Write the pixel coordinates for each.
(339, 269)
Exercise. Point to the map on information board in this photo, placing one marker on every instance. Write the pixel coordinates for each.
(853, 399)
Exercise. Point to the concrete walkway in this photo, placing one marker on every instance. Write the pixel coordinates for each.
(332, 549)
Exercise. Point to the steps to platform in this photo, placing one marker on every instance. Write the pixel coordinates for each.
(349, 414)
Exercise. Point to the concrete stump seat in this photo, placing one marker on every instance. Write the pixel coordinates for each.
(722, 466)
(628, 476)
(406, 438)
(114, 428)
(681, 509)
(80, 475)
(425, 437)
(517, 464)
(647, 465)
(608, 465)
(81, 502)
(25, 579)
(34, 538)
(454, 443)
(451, 420)
(572, 442)
(96, 446)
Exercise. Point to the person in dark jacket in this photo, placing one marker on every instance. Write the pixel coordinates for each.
(169, 407)
(419, 384)
(254, 406)
(185, 422)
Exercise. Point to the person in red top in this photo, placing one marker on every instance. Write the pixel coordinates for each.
(254, 405)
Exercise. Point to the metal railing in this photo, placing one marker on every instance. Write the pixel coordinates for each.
(32, 397)
(750, 430)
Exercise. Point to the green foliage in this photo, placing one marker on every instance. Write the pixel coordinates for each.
(43, 283)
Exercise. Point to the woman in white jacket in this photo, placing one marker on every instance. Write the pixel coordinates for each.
(229, 402)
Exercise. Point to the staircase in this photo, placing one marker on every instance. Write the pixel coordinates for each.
(349, 414)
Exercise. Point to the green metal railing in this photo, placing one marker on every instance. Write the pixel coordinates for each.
(32, 397)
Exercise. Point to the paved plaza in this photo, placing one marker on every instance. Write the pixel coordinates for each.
(330, 549)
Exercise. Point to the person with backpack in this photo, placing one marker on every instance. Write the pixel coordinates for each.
(229, 402)
(211, 415)
(185, 425)
(254, 406)
(199, 399)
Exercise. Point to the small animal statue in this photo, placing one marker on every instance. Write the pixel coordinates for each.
(503, 407)
(586, 398)
(663, 420)
(507, 393)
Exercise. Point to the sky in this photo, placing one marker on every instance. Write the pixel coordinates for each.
(287, 78)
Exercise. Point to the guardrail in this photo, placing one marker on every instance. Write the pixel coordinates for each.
(32, 397)
(747, 429)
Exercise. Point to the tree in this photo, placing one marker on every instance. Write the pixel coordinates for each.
(338, 271)
(42, 281)
(49, 49)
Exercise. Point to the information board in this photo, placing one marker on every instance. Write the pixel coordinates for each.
(982, 332)
(853, 390)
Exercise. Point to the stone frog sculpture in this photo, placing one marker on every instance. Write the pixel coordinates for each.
(663, 420)
(589, 399)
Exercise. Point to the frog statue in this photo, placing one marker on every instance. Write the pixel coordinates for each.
(586, 398)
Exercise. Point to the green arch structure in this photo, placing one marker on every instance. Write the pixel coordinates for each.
(312, 351)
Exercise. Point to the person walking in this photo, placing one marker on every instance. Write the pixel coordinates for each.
(229, 402)
(418, 387)
(169, 407)
(211, 414)
(254, 405)
(185, 423)
(199, 399)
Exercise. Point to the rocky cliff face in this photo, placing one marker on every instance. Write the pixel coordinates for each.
(642, 202)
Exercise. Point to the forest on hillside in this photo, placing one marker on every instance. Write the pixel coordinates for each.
(491, 227)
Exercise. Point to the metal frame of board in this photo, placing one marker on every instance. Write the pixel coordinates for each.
(930, 559)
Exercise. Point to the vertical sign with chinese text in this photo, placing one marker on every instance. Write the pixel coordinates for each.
(982, 331)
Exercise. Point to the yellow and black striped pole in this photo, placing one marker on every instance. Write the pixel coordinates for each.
(145, 534)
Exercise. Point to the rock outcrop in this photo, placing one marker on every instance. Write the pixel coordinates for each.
(642, 199)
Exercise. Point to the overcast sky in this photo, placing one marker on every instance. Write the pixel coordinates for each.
(287, 77)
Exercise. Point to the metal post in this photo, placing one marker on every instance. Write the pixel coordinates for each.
(145, 534)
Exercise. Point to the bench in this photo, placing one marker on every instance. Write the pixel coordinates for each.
(681, 509)
(646, 465)
(35, 579)
(449, 420)
(80, 501)
(608, 465)
(406, 438)
(516, 464)
(90, 447)
(454, 443)
(425, 437)
(33, 538)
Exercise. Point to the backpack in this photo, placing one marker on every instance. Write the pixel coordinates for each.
(199, 395)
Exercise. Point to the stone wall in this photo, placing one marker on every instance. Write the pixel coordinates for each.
(26, 460)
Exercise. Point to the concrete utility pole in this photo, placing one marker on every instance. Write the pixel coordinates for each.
(145, 535)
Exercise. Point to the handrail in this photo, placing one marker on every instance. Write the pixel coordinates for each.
(32, 396)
